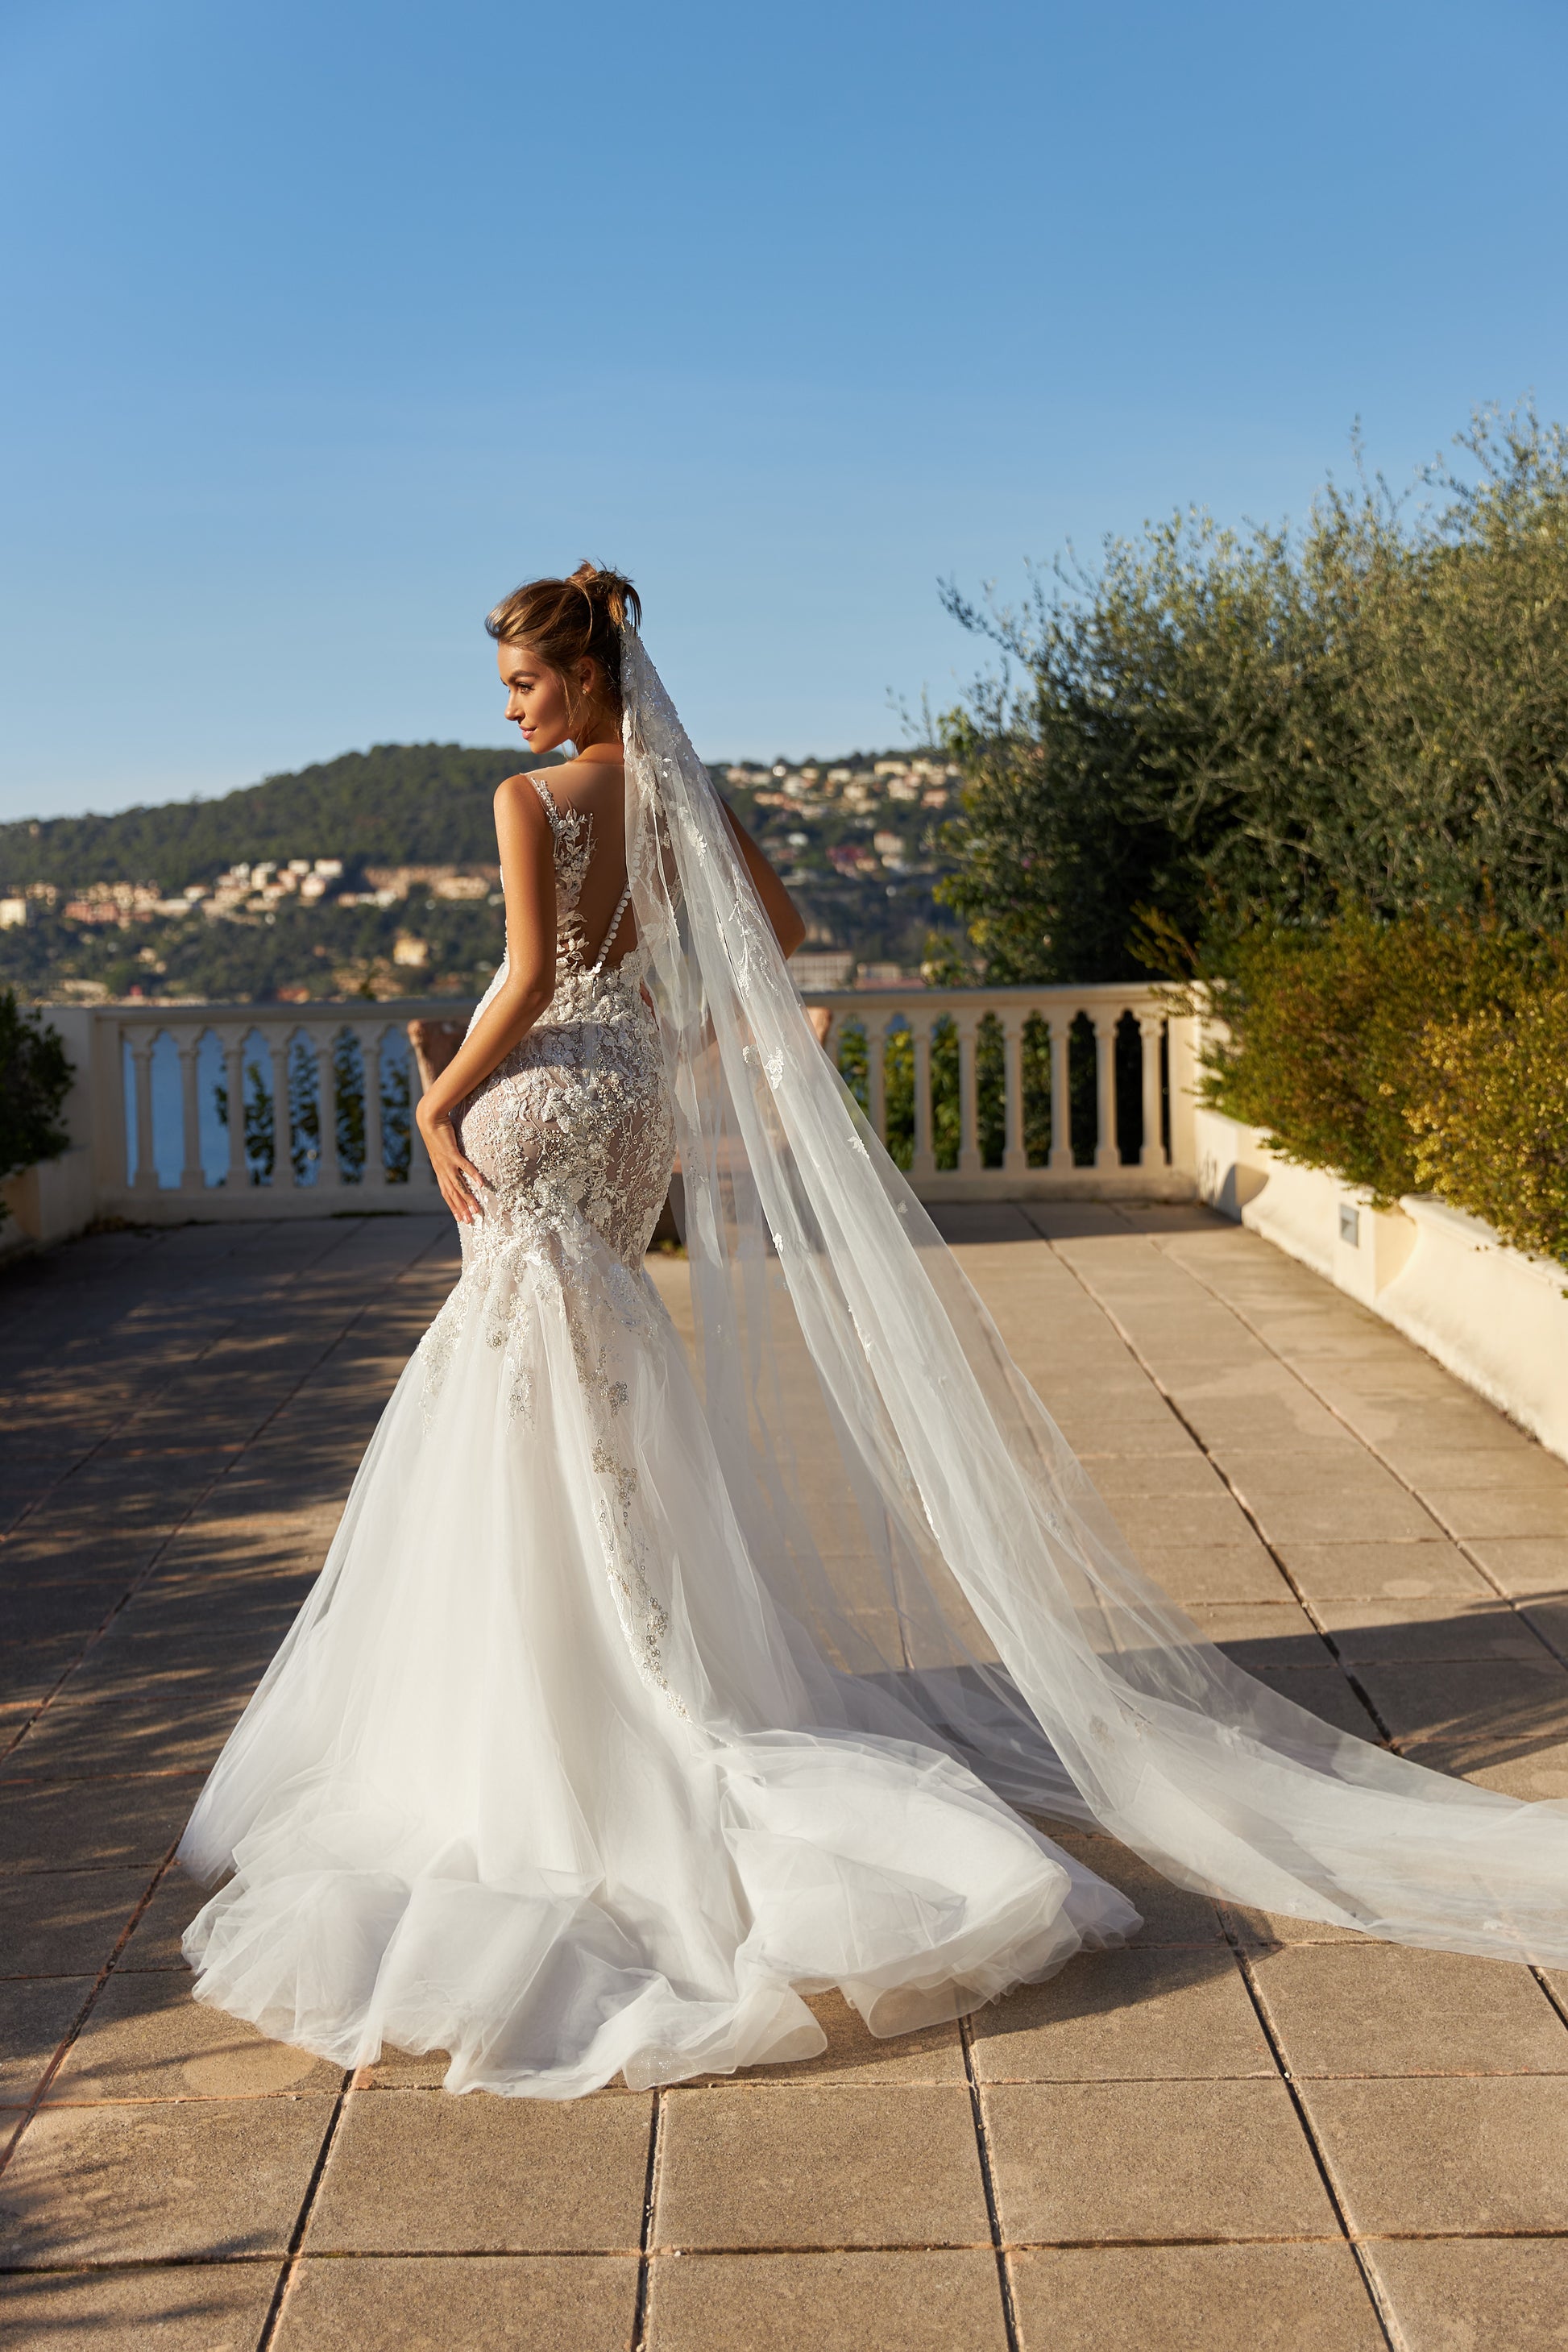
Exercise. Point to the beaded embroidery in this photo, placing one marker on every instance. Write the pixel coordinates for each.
(574, 1133)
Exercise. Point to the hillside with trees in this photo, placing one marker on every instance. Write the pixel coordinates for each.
(375, 873)
(396, 805)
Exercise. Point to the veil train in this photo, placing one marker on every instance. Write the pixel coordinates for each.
(958, 1558)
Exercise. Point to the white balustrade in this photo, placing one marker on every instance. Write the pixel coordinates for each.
(158, 1154)
(148, 1154)
(1105, 1008)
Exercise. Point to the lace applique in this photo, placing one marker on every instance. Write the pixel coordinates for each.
(575, 1132)
(645, 1621)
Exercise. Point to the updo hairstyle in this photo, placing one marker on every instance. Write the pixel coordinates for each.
(562, 621)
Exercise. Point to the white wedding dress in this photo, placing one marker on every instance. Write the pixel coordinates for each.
(624, 1712)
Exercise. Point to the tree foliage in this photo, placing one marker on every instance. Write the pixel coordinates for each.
(1219, 728)
(35, 1079)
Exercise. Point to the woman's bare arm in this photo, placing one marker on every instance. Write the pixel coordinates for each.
(788, 922)
(528, 879)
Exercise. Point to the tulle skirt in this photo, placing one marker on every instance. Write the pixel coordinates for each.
(541, 1776)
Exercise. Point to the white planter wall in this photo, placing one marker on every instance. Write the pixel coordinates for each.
(1492, 1314)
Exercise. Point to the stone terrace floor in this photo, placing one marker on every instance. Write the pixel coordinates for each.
(1241, 2133)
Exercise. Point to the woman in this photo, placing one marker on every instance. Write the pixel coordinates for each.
(622, 1715)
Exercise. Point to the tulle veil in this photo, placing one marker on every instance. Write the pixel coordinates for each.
(916, 1513)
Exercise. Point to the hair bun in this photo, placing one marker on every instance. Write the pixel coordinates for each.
(611, 591)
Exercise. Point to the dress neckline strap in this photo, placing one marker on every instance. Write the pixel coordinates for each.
(552, 809)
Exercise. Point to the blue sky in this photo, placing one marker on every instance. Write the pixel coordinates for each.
(325, 323)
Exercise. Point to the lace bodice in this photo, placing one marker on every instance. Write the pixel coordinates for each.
(576, 1121)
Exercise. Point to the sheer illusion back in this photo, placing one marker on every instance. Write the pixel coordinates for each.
(578, 1112)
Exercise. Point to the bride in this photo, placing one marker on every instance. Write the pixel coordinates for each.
(630, 1706)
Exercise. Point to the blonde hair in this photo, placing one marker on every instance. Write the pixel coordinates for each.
(567, 621)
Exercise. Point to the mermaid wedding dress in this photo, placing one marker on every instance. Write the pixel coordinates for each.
(631, 1705)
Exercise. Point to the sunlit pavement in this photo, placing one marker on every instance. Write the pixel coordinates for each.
(1240, 2133)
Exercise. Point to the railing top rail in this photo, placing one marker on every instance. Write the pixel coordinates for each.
(173, 1012)
(1134, 995)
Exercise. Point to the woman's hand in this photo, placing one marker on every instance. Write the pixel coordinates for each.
(462, 1186)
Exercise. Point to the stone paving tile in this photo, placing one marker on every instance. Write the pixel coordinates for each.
(1133, 2015)
(855, 2054)
(1262, 1931)
(936, 2300)
(1470, 2294)
(819, 2165)
(1490, 1704)
(45, 1823)
(1118, 1475)
(1438, 1628)
(1271, 1633)
(147, 2039)
(74, 1739)
(66, 1924)
(1214, 1572)
(1324, 1692)
(189, 2179)
(1535, 1771)
(1319, 1515)
(456, 2302)
(1524, 1564)
(35, 2015)
(1086, 2162)
(30, 1670)
(1370, 1572)
(421, 2172)
(1480, 2155)
(1172, 1915)
(1183, 1522)
(1371, 2009)
(154, 1940)
(1519, 1467)
(1536, 1511)
(1238, 2298)
(192, 2307)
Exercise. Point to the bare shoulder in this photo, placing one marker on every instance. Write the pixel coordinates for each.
(587, 772)
(520, 789)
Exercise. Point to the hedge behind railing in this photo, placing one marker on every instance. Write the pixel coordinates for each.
(1410, 1058)
(35, 1079)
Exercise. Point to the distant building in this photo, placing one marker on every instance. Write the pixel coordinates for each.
(816, 969)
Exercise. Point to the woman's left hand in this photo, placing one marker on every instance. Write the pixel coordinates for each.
(462, 1184)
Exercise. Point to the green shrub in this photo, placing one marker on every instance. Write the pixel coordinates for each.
(1490, 1124)
(1408, 1056)
(35, 1079)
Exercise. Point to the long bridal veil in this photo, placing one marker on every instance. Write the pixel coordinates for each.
(915, 1512)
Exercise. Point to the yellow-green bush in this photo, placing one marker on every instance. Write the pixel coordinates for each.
(1410, 1057)
(1491, 1118)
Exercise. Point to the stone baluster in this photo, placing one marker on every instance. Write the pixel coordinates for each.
(329, 1175)
(924, 1161)
(1150, 1030)
(188, 1044)
(1107, 1151)
(877, 1073)
(141, 1043)
(1061, 1108)
(1014, 1155)
(967, 1023)
(233, 1042)
(369, 1036)
(276, 1044)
